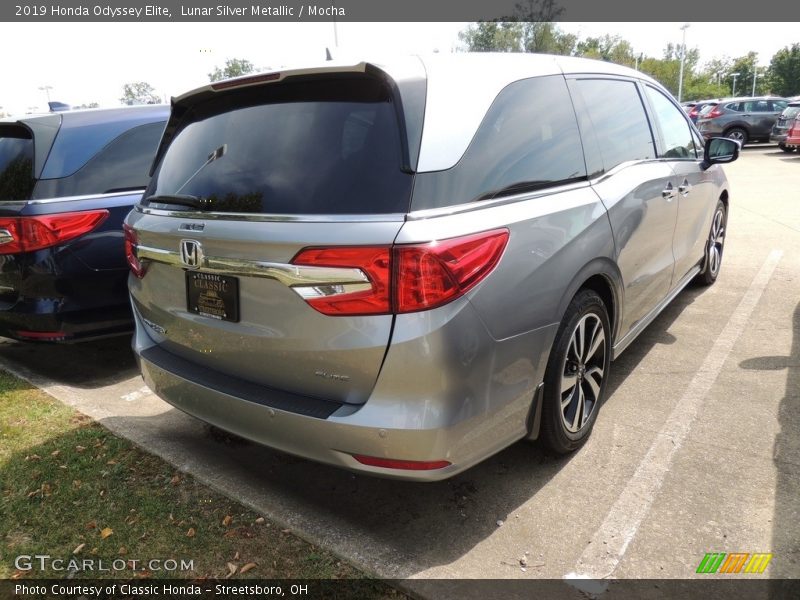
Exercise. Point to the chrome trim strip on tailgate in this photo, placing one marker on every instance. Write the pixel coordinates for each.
(289, 275)
(277, 218)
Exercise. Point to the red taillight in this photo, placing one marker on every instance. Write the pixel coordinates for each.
(715, 112)
(27, 234)
(130, 251)
(429, 275)
(372, 260)
(406, 278)
(795, 128)
(408, 465)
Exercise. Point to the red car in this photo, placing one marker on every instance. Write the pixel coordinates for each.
(793, 137)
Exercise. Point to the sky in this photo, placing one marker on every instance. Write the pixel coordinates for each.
(90, 62)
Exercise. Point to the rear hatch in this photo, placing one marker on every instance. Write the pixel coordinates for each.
(784, 122)
(16, 186)
(249, 175)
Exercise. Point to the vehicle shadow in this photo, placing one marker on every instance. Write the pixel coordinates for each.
(394, 528)
(401, 528)
(86, 365)
(786, 456)
(656, 333)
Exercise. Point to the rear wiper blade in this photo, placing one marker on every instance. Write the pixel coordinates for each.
(181, 200)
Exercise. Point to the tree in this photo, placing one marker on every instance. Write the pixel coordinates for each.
(745, 66)
(529, 29)
(610, 48)
(491, 36)
(234, 67)
(784, 71)
(140, 92)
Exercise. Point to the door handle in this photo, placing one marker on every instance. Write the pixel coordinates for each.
(685, 188)
(668, 193)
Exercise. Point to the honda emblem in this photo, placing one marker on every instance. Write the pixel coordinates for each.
(191, 253)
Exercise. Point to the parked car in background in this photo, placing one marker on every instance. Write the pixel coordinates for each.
(698, 106)
(67, 180)
(782, 126)
(742, 119)
(421, 266)
(793, 135)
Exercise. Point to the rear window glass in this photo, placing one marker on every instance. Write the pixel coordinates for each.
(791, 112)
(706, 109)
(325, 147)
(16, 164)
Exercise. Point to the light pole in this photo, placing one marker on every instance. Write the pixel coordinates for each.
(734, 75)
(755, 76)
(683, 60)
(46, 89)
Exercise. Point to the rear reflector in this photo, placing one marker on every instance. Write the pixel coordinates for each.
(27, 234)
(44, 336)
(406, 278)
(407, 465)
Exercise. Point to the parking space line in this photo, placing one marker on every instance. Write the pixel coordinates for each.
(609, 543)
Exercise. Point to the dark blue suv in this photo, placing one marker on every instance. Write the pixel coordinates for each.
(67, 181)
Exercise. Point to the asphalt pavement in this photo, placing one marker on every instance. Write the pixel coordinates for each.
(695, 451)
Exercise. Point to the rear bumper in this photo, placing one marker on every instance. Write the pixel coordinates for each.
(39, 320)
(404, 418)
(58, 307)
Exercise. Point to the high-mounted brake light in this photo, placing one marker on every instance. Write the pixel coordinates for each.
(405, 278)
(28, 234)
(240, 81)
(130, 251)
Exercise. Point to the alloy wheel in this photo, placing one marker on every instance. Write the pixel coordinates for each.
(716, 241)
(582, 372)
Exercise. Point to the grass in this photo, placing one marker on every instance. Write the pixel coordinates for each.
(71, 489)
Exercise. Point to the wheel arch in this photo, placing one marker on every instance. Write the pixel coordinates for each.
(602, 276)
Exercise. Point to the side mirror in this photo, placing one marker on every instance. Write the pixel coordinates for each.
(721, 150)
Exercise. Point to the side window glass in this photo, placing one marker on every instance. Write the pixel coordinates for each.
(757, 106)
(123, 164)
(616, 113)
(675, 132)
(16, 165)
(735, 106)
(527, 141)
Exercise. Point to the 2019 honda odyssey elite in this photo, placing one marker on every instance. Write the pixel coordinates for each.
(402, 268)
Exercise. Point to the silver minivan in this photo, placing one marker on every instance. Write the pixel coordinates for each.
(403, 267)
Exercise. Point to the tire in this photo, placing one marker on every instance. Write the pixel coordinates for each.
(577, 372)
(738, 134)
(715, 245)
